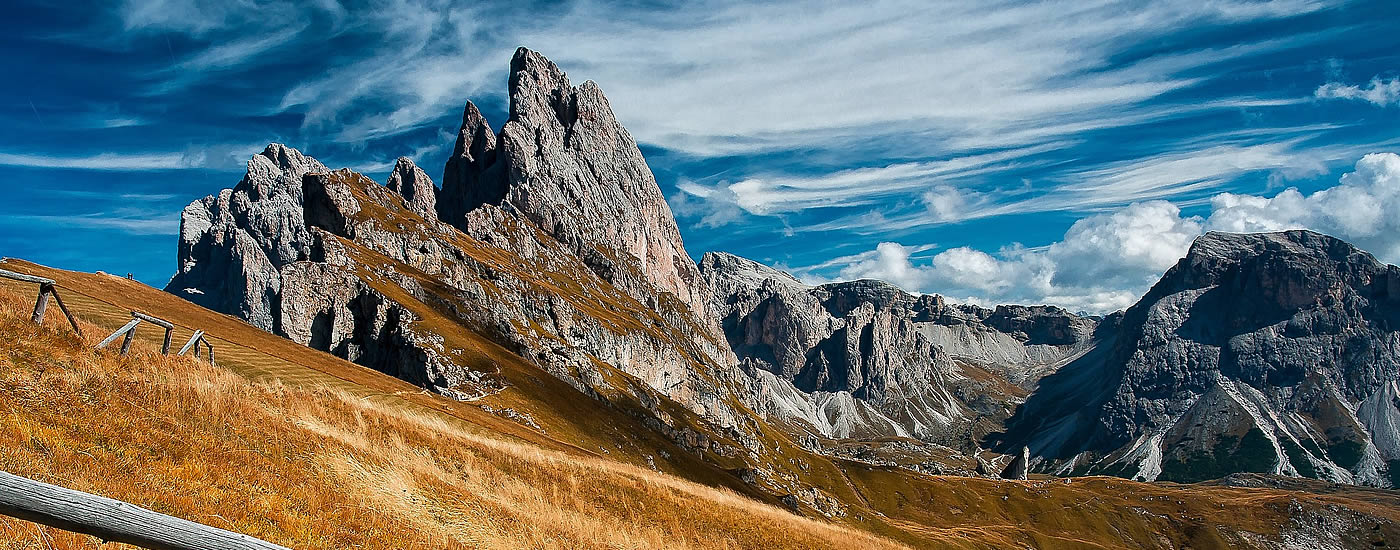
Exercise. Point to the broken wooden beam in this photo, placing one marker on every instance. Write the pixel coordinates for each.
(192, 343)
(113, 520)
(126, 329)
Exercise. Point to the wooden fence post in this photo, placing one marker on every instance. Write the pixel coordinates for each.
(47, 287)
(64, 308)
(126, 342)
(42, 303)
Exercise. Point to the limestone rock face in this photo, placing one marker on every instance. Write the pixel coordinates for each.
(471, 177)
(232, 244)
(865, 358)
(563, 162)
(503, 278)
(1275, 353)
(416, 188)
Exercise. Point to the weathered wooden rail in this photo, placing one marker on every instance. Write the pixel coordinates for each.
(109, 519)
(113, 520)
(47, 288)
(195, 340)
(129, 332)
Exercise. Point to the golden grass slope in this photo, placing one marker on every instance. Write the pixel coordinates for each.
(317, 467)
(304, 449)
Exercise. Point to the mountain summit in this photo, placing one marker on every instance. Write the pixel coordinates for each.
(564, 162)
(1274, 353)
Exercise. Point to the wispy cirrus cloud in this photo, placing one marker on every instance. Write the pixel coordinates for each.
(783, 193)
(161, 223)
(717, 78)
(226, 156)
(1178, 175)
(888, 121)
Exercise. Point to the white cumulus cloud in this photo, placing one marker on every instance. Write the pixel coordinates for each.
(1380, 92)
(1364, 208)
(1107, 261)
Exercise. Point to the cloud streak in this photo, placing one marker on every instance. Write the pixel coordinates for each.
(226, 157)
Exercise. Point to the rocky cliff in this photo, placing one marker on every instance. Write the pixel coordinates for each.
(550, 242)
(1264, 353)
(865, 358)
(232, 244)
(563, 162)
(374, 274)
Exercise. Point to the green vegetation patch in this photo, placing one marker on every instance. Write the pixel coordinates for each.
(1299, 458)
(1252, 453)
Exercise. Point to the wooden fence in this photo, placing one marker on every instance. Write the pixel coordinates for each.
(108, 519)
(47, 288)
(113, 520)
(128, 331)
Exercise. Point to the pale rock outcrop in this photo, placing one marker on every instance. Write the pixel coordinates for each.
(563, 162)
(233, 243)
(1019, 465)
(414, 185)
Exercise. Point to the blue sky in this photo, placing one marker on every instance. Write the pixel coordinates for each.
(1060, 152)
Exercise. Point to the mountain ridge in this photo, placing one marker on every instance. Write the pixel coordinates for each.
(551, 238)
(1293, 334)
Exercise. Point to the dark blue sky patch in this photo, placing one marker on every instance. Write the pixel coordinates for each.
(985, 142)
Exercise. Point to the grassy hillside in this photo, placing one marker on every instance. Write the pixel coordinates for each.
(313, 466)
(301, 448)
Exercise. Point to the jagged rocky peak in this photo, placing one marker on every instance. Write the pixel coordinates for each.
(414, 185)
(563, 162)
(276, 170)
(233, 243)
(471, 177)
(1275, 353)
(1286, 270)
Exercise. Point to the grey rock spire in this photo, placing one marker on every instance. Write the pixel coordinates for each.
(416, 188)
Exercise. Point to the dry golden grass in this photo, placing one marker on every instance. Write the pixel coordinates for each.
(306, 449)
(316, 467)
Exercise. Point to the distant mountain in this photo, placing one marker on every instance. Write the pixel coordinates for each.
(866, 359)
(550, 239)
(1274, 353)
